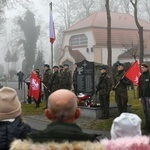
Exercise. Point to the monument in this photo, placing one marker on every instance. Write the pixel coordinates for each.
(85, 77)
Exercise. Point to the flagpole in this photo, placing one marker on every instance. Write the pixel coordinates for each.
(50, 4)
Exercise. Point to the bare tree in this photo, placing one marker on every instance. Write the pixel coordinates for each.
(126, 6)
(109, 37)
(87, 4)
(131, 50)
(140, 30)
(146, 7)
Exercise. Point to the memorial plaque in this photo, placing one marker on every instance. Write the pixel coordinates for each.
(85, 77)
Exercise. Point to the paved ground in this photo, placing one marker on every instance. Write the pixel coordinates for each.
(40, 122)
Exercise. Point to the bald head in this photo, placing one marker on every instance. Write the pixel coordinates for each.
(62, 104)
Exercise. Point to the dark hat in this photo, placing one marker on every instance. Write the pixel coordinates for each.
(144, 65)
(46, 65)
(120, 64)
(103, 67)
(55, 67)
(60, 66)
(37, 70)
(66, 65)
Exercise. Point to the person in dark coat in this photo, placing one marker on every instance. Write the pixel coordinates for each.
(20, 75)
(144, 93)
(63, 112)
(11, 124)
(104, 87)
(55, 79)
(120, 84)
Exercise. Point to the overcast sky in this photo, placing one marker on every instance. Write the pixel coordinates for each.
(41, 11)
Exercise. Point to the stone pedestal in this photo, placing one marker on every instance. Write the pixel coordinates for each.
(95, 112)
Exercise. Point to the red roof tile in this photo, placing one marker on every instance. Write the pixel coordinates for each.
(118, 20)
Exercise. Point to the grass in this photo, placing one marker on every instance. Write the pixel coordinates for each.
(91, 123)
(136, 108)
(29, 109)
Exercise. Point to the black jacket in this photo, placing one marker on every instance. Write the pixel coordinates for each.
(12, 130)
(59, 132)
(144, 85)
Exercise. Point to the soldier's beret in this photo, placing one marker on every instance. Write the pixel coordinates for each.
(103, 67)
(55, 67)
(66, 65)
(144, 65)
(46, 65)
(120, 64)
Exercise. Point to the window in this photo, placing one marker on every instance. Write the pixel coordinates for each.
(78, 40)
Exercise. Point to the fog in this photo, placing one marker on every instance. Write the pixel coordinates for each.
(65, 14)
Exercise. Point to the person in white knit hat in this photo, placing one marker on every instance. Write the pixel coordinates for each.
(11, 124)
(126, 125)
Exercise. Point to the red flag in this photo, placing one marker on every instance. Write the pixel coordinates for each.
(133, 73)
(51, 26)
(34, 89)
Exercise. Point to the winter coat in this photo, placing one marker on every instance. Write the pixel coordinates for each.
(12, 130)
(29, 145)
(60, 131)
(144, 85)
(127, 143)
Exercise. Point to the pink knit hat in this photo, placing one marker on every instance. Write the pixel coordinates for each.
(10, 106)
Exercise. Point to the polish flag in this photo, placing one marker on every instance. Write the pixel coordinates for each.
(133, 73)
(34, 89)
(51, 26)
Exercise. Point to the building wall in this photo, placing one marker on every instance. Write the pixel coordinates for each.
(97, 54)
(83, 49)
(115, 53)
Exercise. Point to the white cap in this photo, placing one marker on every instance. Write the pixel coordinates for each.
(127, 124)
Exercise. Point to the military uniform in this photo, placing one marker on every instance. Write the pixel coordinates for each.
(104, 87)
(60, 69)
(55, 80)
(65, 79)
(120, 84)
(47, 76)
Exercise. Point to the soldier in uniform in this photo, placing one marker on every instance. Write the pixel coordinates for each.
(55, 79)
(75, 79)
(60, 69)
(65, 78)
(47, 82)
(120, 84)
(104, 87)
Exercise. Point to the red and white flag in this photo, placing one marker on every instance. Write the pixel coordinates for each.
(51, 26)
(34, 89)
(133, 73)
